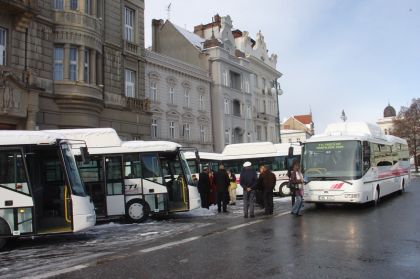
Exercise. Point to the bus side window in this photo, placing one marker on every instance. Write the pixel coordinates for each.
(12, 171)
(366, 156)
(132, 166)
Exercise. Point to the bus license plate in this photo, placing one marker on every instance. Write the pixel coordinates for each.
(326, 198)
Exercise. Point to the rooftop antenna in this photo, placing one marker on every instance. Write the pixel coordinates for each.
(168, 9)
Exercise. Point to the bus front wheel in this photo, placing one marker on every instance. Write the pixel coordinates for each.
(137, 211)
(284, 190)
(377, 197)
(4, 230)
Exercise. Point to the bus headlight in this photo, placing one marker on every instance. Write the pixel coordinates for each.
(351, 196)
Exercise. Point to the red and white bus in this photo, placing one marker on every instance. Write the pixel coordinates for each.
(354, 163)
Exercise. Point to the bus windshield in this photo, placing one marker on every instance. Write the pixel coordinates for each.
(332, 160)
(75, 181)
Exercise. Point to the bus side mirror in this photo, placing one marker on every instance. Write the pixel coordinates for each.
(84, 153)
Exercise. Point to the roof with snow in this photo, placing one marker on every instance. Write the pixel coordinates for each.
(17, 137)
(194, 39)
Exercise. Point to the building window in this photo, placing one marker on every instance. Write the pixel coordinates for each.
(225, 78)
(59, 4)
(187, 98)
(86, 66)
(264, 103)
(73, 63)
(259, 133)
(3, 35)
(227, 106)
(249, 137)
(73, 4)
(273, 135)
(154, 129)
(202, 133)
(247, 88)
(153, 91)
(172, 95)
(88, 5)
(58, 63)
(130, 81)
(236, 108)
(186, 131)
(172, 129)
(129, 24)
(265, 133)
(248, 112)
(227, 137)
(263, 85)
(201, 102)
(235, 80)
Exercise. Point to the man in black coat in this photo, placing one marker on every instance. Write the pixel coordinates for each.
(222, 181)
(267, 182)
(204, 188)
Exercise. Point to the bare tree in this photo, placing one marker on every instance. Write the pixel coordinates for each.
(407, 126)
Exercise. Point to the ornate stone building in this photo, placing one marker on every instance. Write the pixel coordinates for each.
(387, 122)
(73, 63)
(243, 106)
(180, 101)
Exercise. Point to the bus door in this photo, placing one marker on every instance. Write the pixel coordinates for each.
(92, 174)
(175, 181)
(114, 183)
(50, 190)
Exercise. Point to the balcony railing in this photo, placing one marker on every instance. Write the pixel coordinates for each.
(138, 104)
(131, 47)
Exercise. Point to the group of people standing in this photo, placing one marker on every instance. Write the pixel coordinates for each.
(220, 187)
(217, 188)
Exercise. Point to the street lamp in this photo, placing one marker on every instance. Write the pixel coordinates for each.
(276, 90)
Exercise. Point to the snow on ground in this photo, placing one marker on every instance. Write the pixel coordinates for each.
(44, 254)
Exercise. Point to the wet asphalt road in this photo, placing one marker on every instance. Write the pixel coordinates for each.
(333, 242)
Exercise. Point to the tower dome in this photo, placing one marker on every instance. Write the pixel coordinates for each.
(389, 111)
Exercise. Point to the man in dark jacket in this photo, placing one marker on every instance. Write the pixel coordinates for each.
(204, 188)
(266, 182)
(222, 181)
(248, 181)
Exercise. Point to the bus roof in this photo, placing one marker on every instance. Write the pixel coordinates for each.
(351, 131)
(394, 139)
(95, 137)
(283, 148)
(18, 137)
(249, 149)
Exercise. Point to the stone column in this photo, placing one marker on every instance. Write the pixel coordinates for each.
(81, 5)
(66, 62)
(92, 67)
(80, 62)
(93, 7)
(99, 69)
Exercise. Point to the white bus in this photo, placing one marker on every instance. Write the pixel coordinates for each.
(354, 163)
(134, 178)
(261, 153)
(40, 187)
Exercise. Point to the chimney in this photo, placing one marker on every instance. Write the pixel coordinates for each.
(156, 25)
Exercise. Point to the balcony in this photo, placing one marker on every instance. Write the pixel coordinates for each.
(77, 19)
(138, 104)
(132, 48)
(23, 10)
(121, 102)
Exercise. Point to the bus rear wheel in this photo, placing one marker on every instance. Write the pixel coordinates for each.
(284, 191)
(137, 211)
(402, 190)
(4, 230)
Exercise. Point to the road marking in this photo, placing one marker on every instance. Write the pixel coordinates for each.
(169, 244)
(58, 272)
(186, 240)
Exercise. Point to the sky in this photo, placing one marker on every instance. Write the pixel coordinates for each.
(334, 55)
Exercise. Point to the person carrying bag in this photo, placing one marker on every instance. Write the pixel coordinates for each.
(296, 181)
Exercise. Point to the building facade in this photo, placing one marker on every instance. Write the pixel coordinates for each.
(241, 103)
(387, 122)
(297, 128)
(73, 64)
(179, 94)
